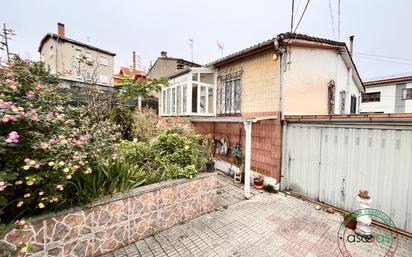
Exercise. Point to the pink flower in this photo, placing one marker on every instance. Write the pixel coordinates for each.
(26, 195)
(27, 160)
(52, 141)
(13, 137)
(12, 117)
(79, 144)
(37, 87)
(37, 165)
(5, 118)
(5, 105)
(60, 187)
(19, 204)
(2, 186)
(34, 118)
(21, 114)
(50, 114)
(12, 232)
(88, 171)
(29, 94)
(43, 145)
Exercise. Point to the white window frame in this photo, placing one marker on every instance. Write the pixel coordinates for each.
(103, 79)
(186, 103)
(105, 62)
(77, 53)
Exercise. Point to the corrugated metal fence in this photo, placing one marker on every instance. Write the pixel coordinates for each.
(332, 162)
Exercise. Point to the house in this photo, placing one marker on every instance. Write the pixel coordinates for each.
(79, 65)
(388, 95)
(252, 89)
(130, 72)
(165, 65)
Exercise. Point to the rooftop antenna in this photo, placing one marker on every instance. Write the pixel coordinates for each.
(190, 43)
(139, 62)
(291, 16)
(338, 20)
(220, 45)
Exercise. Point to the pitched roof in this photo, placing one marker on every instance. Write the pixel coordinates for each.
(131, 72)
(388, 80)
(283, 37)
(178, 60)
(65, 39)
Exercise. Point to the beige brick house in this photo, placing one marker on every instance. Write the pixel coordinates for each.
(255, 87)
(76, 63)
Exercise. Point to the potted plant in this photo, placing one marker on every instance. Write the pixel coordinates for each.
(350, 222)
(210, 164)
(258, 182)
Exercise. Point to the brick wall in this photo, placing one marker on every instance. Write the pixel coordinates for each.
(266, 143)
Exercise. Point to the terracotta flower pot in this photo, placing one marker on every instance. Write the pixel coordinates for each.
(258, 183)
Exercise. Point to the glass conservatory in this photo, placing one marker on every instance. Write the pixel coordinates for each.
(190, 92)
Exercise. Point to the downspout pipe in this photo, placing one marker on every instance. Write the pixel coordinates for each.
(282, 54)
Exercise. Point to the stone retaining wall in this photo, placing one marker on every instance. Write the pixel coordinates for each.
(115, 221)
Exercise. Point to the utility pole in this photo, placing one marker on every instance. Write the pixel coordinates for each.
(6, 35)
(220, 46)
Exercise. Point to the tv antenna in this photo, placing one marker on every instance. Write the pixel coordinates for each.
(190, 43)
(220, 45)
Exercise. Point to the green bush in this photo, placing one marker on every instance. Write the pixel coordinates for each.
(107, 178)
(44, 141)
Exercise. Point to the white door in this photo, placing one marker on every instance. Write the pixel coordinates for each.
(332, 163)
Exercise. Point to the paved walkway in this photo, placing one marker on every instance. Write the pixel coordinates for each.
(266, 225)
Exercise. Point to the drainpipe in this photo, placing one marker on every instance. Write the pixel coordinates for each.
(282, 55)
(248, 146)
(284, 162)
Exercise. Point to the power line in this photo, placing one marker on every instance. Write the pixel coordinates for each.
(303, 13)
(383, 60)
(331, 17)
(384, 56)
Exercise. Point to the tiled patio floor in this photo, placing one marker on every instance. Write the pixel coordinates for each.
(266, 225)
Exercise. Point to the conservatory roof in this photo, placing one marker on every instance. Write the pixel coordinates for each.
(233, 119)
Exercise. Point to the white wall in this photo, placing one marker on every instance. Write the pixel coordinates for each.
(391, 99)
(307, 80)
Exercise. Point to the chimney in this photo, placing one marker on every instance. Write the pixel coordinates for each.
(60, 29)
(163, 54)
(134, 60)
(351, 45)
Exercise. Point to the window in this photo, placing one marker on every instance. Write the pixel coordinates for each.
(173, 100)
(164, 102)
(103, 61)
(210, 100)
(51, 50)
(184, 98)
(187, 95)
(179, 99)
(78, 53)
(407, 93)
(88, 76)
(371, 97)
(342, 101)
(88, 57)
(78, 73)
(103, 79)
(353, 104)
(194, 97)
(202, 100)
(230, 96)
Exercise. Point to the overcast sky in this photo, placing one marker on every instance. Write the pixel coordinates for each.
(381, 27)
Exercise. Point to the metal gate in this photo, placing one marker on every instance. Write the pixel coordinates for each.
(331, 163)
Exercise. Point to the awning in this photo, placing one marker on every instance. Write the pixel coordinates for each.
(233, 119)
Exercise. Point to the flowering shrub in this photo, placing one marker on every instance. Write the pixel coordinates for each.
(44, 142)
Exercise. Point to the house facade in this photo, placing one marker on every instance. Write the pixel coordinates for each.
(76, 63)
(389, 95)
(255, 87)
(165, 66)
